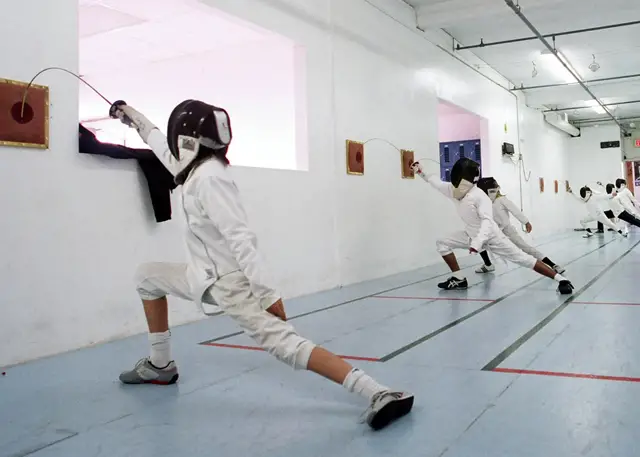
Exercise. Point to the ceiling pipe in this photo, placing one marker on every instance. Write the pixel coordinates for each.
(482, 44)
(516, 9)
(590, 81)
(554, 110)
(604, 119)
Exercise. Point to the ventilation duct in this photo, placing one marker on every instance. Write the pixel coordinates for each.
(561, 122)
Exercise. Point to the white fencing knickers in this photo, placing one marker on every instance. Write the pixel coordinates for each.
(598, 217)
(232, 293)
(499, 245)
(512, 233)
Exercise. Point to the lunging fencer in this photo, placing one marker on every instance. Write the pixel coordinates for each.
(618, 209)
(481, 231)
(628, 200)
(595, 203)
(224, 266)
(502, 209)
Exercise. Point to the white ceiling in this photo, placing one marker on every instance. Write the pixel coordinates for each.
(120, 34)
(616, 50)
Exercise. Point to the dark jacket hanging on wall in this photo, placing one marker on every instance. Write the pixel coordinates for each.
(159, 180)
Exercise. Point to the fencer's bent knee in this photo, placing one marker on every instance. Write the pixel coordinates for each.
(146, 287)
(443, 248)
(280, 339)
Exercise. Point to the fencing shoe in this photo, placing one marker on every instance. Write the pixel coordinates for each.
(486, 269)
(386, 407)
(559, 269)
(454, 283)
(145, 373)
(565, 287)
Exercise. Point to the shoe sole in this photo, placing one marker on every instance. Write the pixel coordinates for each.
(392, 411)
(171, 381)
(566, 291)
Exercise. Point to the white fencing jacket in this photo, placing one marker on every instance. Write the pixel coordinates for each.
(614, 203)
(218, 238)
(628, 201)
(597, 204)
(475, 210)
(502, 207)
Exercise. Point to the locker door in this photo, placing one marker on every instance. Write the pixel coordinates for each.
(445, 161)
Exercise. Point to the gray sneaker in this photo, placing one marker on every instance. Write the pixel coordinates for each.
(145, 373)
(386, 407)
(559, 269)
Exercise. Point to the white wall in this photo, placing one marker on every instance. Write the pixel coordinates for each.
(590, 163)
(545, 151)
(76, 227)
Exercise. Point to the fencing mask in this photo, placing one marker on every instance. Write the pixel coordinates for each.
(195, 126)
(464, 174)
(585, 193)
(610, 188)
(490, 187)
(621, 184)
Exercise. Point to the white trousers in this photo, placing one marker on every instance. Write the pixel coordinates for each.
(233, 295)
(500, 245)
(598, 217)
(512, 233)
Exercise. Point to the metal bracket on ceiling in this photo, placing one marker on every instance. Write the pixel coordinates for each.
(566, 64)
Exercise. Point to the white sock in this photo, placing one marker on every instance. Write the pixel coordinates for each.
(357, 381)
(160, 349)
(559, 278)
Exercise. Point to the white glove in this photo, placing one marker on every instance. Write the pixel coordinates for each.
(415, 166)
(143, 125)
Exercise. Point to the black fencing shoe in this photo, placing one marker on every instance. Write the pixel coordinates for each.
(565, 287)
(454, 283)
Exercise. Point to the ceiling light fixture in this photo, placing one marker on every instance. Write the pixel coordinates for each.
(595, 106)
(550, 63)
(534, 73)
(595, 66)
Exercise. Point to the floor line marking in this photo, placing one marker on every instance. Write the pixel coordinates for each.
(605, 303)
(436, 298)
(468, 316)
(256, 348)
(337, 305)
(502, 356)
(561, 374)
(330, 307)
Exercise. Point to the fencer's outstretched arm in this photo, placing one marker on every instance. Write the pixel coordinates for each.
(513, 209)
(445, 188)
(151, 135)
(575, 196)
(220, 199)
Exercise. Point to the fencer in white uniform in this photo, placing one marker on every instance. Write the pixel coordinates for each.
(503, 208)
(481, 231)
(596, 204)
(619, 205)
(224, 266)
(627, 199)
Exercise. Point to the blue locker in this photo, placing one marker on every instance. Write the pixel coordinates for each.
(451, 151)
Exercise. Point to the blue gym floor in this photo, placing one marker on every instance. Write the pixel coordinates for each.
(507, 368)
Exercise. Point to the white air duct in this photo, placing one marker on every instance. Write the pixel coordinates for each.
(561, 122)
